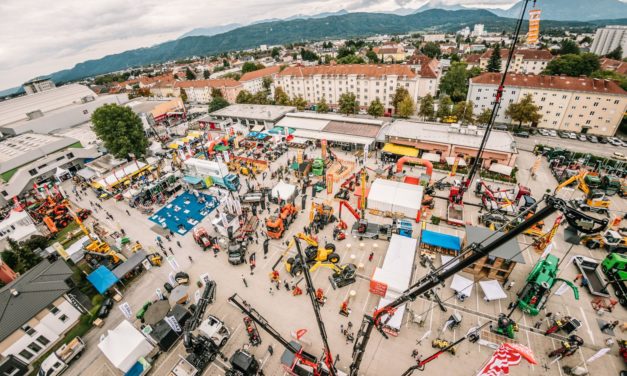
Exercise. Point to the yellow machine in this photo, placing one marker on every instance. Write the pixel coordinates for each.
(543, 241)
(595, 201)
(315, 256)
(321, 214)
(155, 259)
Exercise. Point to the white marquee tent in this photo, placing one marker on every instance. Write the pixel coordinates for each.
(124, 345)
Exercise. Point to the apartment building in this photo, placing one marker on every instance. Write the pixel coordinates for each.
(523, 61)
(253, 81)
(577, 104)
(38, 85)
(390, 53)
(367, 82)
(35, 312)
(608, 38)
(199, 91)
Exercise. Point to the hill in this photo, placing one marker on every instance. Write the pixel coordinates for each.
(562, 10)
(281, 32)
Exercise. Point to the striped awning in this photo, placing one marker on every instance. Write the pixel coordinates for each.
(407, 151)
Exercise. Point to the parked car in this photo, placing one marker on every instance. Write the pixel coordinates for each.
(620, 156)
(553, 133)
(582, 137)
(105, 308)
(572, 135)
(603, 140)
(562, 134)
(592, 138)
(523, 134)
(543, 132)
(500, 127)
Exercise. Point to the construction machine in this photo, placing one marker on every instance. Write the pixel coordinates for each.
(201, 349)
(277, 224)
(155, 259)
(615, 268)
(610, 240)
(595, 200)
(202, 238)
(321, 215)
(543, 276)
(542, 241)
(318, 167)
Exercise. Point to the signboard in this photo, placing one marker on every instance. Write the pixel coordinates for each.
(173, 263)
(126, 310)
(299, 157)
(323, 144)
(534, 26)
(159, 294)
(226, 156)
(171, 321)
(329, 184)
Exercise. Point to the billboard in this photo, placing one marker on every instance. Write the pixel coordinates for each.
(534, 26)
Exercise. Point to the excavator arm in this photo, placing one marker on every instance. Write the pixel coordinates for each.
(579, 178)
(571, 285)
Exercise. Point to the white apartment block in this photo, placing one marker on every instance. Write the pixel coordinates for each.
(367, 82)
(608, 38)
(253, 81)
(523, 61)
(478, 30)
(199, 91)
(576, 104)
(38, 85)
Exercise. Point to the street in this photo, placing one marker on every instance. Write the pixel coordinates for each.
(602, 150)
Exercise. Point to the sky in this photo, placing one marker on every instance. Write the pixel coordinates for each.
(41, 37)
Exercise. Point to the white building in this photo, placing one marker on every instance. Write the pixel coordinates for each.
(17, 226)
(367, 82)
(577, 104)
(253, 81)
(524, 61)
(478, 30)
(465, 32)
(38, 85)
(608, 38)
(253, 116)
(199, 91)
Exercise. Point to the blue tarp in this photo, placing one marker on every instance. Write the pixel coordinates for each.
(184, 212)
(437, 239)
(192, 179)
(102, 279)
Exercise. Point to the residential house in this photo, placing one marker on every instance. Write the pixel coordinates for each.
(199, 91)
(523, 61)
(391, 53)
(253, 81)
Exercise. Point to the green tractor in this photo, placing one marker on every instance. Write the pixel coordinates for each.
(318, 167)
(505, 326)
(533, 297)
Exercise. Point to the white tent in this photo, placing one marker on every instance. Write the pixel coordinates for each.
(501, 169)
(451, 161)
(462, 285)
(284, 191)
(397, 197)
(492, 290)
(124, 345)
(433, 157)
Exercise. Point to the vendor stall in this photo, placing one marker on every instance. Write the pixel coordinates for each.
(283, 191)
(462, 286)
(393, 277)
(395, 198)
(124, 346)
(432, 241)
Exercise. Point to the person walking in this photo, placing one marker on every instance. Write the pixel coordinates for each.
(171, 251)
(189, 257)
(370, 256)
(538, 324)
(128, 212)
(179, 244)
(286, 285)
(244, 280)
(510, 285)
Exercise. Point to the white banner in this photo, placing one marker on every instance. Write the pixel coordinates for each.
(547, 250)
(562, 289)
(225, 220)
(159, 294)
(598, 354)
(173, 263)
(365, 154)
(171, 321)
(126, 310)
(225, 155)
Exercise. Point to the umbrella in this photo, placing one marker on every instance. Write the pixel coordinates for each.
(179, 294)
(156, 312)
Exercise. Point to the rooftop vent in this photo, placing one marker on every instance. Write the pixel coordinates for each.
(14, 292)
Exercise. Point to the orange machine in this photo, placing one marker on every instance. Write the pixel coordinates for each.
(202, 237)
(276, 225)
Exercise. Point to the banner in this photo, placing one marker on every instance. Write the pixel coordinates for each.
(299, 157)
(323, 145)
(507, 355)
(171, 321)
(329, 184)
(126, 310)
(173, 263)
(598, 354)
(225, 155)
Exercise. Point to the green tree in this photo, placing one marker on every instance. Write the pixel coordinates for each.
(299, 102)
(183, 95)
(215, 92)
(573, 65)
(426, 109)
(251, 66)
(455, 82)
(494, 63)
(463, 111)
(189, 74)
(206, 74)
(431, 49)
(616, 54)
(344, 51)
(19, 257)
(400, 94)
(568, 46)
(376, 108)
(244, 96)
(406, 108)
(322, 107)
(225, 63)
(35, 242)
(121, 130)
(444, 107)
(260, 97)
(524, 111)
(372, 57)
(351, 59)
(620, 79)
(217, 103)
(308, 55)
(280, 97)
(275, 52)
(348, 104)
(484, 117)
(266, 83)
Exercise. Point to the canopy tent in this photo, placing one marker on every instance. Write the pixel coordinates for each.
(221, 147)
(451, 161)
(136, 259)
(431, 157)
(446, 259)
(462, 285)
(501, 169)
(59, 172)
(86, 173)
(297, 140)
(156, 312)
(492, 290)
(438, 239)
(124, 345)
(102, 279)
(192, 179)
(258, 128)
(407, 151)
(281, 130)
(283, 191)
(395, 322)
(334, 137)
(396, 197)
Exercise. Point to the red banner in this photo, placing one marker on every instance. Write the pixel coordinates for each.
(507, 355)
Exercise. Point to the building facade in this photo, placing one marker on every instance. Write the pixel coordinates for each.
(390, 53)
(38, 85)
(523, 61)
(608, 38)
(253, 81)
(575, 104)
(199, 91)
(367, 82)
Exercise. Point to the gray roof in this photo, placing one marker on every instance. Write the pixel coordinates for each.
(508, 251)
(128, 265)
(254, 111)
(38, 288)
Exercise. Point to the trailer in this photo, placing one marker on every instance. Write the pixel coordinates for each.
(365, 229)
(57, 362)
(589, 268)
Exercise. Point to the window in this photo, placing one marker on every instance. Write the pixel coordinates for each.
(4, 193)
(577, 98)
(53, 309)
(26, 354)
(32, 172)
(70, 155)
(35, 347)
(43, 340)
(63, 318)
(28, 330)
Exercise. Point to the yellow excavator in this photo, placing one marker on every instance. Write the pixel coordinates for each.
(315, 256)
(595, 201)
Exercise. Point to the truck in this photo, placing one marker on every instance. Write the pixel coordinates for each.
(589, 268)
(214, 329)
(57, 362)
(318, 167)
(365, 229)
(615, 268)
(218, 172)
(243, 363)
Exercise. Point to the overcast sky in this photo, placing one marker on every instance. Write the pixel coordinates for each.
(40, 37)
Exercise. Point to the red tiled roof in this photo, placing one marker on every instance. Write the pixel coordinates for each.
(427, 72)
(419, 59)
(388, 50)
(370, 70)
(614, 65)
(552, 82)
(472, 58)
(219, 82)
(260, 73)
(527, 54)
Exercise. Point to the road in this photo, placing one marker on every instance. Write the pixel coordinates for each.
(605, 150)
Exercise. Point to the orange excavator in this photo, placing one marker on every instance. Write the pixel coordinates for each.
(277, 224)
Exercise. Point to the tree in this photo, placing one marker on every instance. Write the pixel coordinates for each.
(400, 94)
(206, 74)
(217, 103)
(620, 79)
(344, 51)
(568, 46)
(444, 107)
(455, 82)
(251, 66)
(189, 74)
(244, 96)
(616, 53)
(275, 52)
(215, 92)
(406, 108)
(266, 83)
(280, 97)
(308, 55)
(484, 117)
(573, 65)
(35, 242)
(494, 63)
(463, 111)
(20, 258)
(121, 130)
(183, 95)
(372, 57)
(322, 107)
(426, 109)
(299, 102)
(260, 97)
(524, 111)
(376, 108)
(351, 59)
(348, 104)
(431, 49)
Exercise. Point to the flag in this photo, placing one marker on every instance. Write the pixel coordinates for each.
(598, 354)
(507, 355)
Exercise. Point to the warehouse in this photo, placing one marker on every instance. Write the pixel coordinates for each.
(253, 117)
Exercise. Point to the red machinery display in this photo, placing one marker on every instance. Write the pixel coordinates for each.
(202, 238)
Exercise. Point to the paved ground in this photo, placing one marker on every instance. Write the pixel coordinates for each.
(575, 145)
(383, 357)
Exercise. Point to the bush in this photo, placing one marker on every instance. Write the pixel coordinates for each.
(435, 220)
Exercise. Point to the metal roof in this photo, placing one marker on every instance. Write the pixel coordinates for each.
(37, 288)
(254, 111)
(128, 265)
(508, 251)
